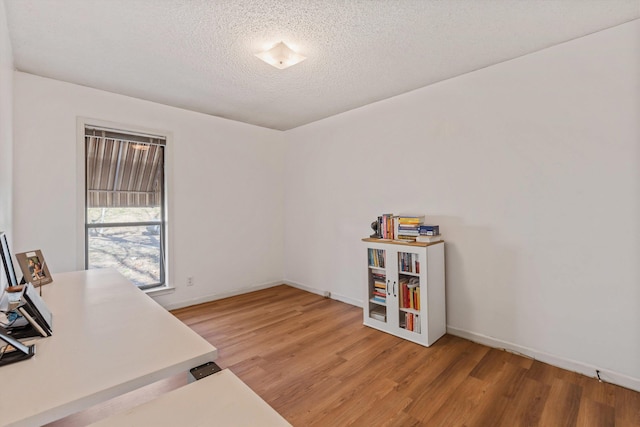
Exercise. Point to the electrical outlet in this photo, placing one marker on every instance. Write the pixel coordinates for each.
(189, 281)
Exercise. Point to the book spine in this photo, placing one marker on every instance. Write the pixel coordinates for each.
(395, 227)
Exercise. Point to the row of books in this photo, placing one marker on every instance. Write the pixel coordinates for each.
(410, 292)
(411, 322)
(376, 258)
(385, 226)
(396, 227)
(407, 228)
(408, 262)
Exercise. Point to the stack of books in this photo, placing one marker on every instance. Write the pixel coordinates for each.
(379, 288)
(407, 227)
(378, 313)
(429, 234)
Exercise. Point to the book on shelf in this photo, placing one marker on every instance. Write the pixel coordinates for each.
(402, 229)
(379, 300)
(378, 280)
(410, 292)
(404, 298)
(410, 219)
(404, 225)
(411, 322)
(385, 226)
(429, 239)
(404, 239)
(409, 263)
(378, 313)
(407, 234)
(429, 230)
(410, 227)
(376, 258)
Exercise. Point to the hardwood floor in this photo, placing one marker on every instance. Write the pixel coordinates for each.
(311, 359)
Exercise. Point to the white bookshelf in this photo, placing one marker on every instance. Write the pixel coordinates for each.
(411, 278)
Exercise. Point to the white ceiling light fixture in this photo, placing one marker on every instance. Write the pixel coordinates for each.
(281, 56)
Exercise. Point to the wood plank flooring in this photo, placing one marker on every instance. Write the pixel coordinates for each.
(311, 359)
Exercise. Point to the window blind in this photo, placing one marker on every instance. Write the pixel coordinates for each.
(123, 170)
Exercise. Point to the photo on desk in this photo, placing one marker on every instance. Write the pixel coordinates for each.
(34, 268)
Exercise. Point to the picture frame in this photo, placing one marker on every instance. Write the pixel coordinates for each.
(34, 268)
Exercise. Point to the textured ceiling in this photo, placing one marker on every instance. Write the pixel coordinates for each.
(199, 55)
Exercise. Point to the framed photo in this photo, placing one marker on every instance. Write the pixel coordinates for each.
(34, 268)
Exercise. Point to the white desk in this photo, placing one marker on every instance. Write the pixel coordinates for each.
(108, 338)
(221, 399)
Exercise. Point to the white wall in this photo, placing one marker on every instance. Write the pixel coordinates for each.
(531, 168)
(6, 131)
(226, 191)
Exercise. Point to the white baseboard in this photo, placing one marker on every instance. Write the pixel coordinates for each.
(324, 293)
(221, 295)
(560, 362)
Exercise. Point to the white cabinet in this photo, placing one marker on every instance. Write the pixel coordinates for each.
(405, 289)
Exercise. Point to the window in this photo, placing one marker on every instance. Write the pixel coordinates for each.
(125, 220)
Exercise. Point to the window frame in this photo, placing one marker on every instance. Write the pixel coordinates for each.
(83, 226)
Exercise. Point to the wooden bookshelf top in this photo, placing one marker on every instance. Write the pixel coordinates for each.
(399, 242)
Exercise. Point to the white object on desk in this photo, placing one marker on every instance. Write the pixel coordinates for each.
(109, 338)
(221, 399)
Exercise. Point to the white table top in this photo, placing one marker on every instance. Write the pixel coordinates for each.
(221, 399)
(108, 338)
